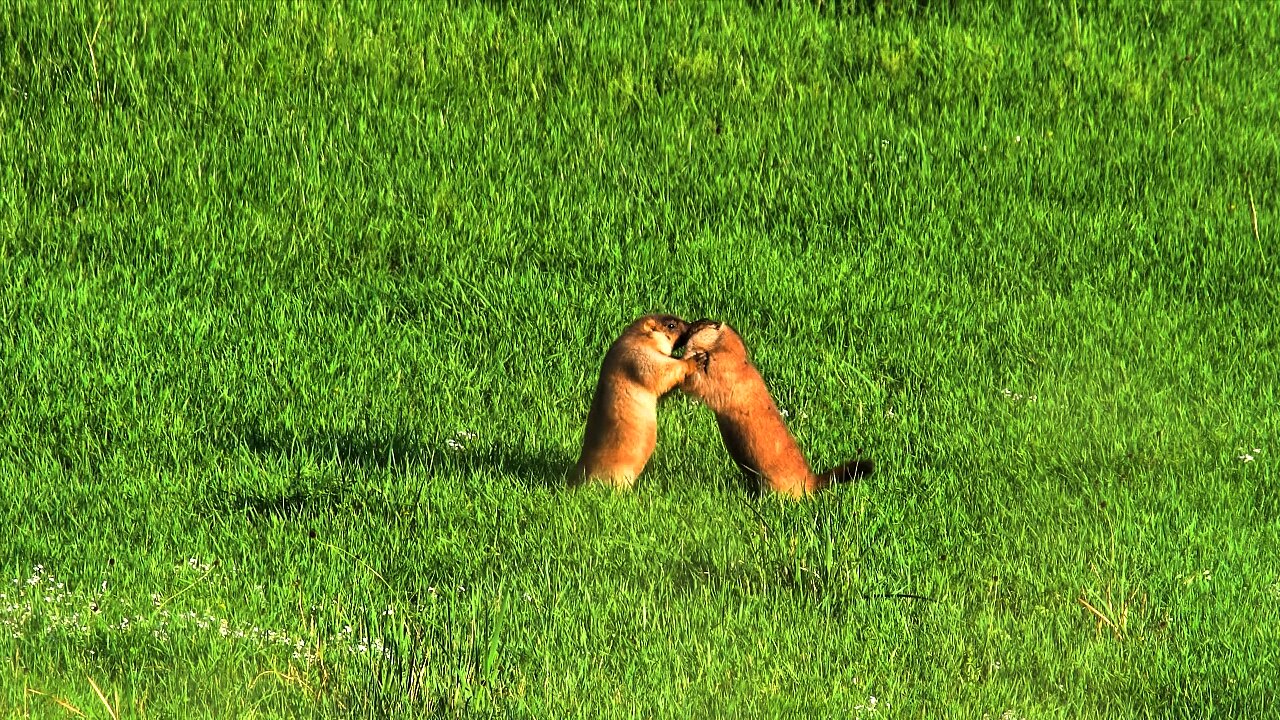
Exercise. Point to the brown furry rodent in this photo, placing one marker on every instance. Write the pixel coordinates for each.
(752, 427)
(622, 427)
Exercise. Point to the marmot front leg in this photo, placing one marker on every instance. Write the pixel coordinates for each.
(668, 374)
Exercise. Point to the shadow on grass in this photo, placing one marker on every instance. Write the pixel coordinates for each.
(400, 455)
(317, 475)
(288, 505)
(532, 467)
(347, 449)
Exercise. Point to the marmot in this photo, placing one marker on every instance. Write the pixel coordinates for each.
(622, 427)
(752, 427)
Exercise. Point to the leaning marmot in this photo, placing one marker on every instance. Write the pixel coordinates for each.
(752, 427)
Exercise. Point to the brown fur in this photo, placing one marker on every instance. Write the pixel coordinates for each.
(752, 428)
(622, 427)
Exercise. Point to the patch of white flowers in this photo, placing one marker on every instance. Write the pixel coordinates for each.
(41, 604)
(455, 443)
(1012, 396)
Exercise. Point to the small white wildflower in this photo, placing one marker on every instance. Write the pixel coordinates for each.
(453, 444)
(1246, 458)
(784, 412)
(1017, 138)
(1255, 450)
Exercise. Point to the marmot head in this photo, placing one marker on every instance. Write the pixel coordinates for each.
(701, 336)
(662, 330)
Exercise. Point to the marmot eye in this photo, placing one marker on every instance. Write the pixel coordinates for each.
(671, 326)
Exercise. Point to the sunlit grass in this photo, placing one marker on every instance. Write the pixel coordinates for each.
(302, 309)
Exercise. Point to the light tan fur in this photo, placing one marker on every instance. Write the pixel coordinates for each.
(750, 424)
(622, 426)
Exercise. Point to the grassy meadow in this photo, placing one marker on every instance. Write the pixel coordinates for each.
(302, 306)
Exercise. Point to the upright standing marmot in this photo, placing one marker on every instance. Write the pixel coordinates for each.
(750, 423)
(622, 427)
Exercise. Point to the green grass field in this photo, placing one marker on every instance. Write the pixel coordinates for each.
(303, 306)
